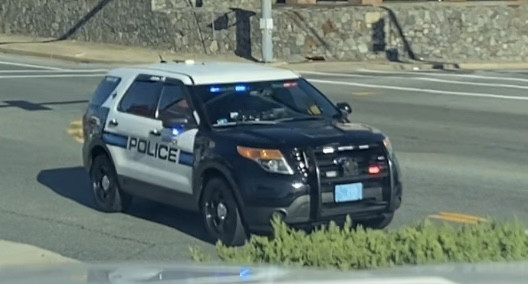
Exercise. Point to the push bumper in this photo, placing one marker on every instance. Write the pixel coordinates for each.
(311, 201)
(303, 212)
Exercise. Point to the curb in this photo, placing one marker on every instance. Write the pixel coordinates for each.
(18, 254)
(315, 66)
(494, 66)
(277, 64)
(298, 66)
(65, 57)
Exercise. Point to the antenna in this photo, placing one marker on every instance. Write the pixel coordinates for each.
(161, 58)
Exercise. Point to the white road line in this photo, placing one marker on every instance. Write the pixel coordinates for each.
(446, 75)
(422, 90)
(387, 280)
(50, 76)
(53, 71)
(418, 78)
(29, 65)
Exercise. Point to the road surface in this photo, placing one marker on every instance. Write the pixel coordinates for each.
(461, 140)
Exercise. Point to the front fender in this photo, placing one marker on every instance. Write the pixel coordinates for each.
(217, 165)
(88, 151)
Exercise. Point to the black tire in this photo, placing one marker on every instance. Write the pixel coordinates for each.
(108, 197)
(222, 223)
(378, 223)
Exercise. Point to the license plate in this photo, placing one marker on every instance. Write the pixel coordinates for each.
(348, 192)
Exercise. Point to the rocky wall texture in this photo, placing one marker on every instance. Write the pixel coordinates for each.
(464, 33)
(439, 31)
(216, 4)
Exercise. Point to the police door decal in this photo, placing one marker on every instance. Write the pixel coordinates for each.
(154, 149)
(173, 148)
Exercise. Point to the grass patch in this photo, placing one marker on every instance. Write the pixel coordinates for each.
(360, 248)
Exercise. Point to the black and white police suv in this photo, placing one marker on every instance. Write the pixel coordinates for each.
(239, 143)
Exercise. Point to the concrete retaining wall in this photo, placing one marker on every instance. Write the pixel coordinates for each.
(457, 32)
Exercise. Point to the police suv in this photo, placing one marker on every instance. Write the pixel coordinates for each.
(240, 143)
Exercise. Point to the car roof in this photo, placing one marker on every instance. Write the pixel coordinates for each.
(218, 72)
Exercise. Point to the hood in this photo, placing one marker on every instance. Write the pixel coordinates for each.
(306, 133)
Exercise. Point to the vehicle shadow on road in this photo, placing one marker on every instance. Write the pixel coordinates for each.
(73, 183)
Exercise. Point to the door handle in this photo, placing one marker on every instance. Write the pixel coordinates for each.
(155, 132)
(113, 122)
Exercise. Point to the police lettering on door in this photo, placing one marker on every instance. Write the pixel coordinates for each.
(156, 150)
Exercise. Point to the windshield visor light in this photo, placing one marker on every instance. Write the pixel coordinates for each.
(289, 84)
(240, 88)
(269, 159)
(237, 88)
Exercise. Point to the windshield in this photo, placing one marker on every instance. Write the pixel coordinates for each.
(264, 102)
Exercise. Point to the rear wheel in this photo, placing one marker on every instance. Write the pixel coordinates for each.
(379, 222)
(221, 213)
(108, 196)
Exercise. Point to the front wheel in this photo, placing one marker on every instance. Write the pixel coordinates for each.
(221, 214)
(108, 196)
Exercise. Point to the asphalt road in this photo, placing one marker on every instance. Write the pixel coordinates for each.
(461, 138)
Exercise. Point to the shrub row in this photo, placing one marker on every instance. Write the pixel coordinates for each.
(359, 248)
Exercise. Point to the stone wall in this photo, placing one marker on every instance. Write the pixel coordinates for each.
(466, 32)
(216, 4)
(333, 33)
(442, 31)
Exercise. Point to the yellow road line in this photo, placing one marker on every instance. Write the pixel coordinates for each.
(457, 217)
(366, 93)
(73, 131)
(77, 122)
(452, 219)
(76, 130)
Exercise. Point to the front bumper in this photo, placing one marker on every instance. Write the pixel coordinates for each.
(298, 214)
(308, 210)
(311, 201)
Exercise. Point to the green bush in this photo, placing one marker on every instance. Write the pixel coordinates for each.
(359, 248)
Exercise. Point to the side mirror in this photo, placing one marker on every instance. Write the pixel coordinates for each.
(174, 126)
(344, 107)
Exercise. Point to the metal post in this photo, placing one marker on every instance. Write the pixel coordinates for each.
(266, 25)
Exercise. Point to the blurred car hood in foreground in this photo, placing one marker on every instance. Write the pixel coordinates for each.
(158, 273)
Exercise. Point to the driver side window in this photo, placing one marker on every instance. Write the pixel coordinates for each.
(174, 103)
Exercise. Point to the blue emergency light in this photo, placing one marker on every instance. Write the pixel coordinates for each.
(240, 88)
(237, 88)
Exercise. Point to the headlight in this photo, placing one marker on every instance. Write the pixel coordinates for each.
(388, 145)
(270, 160)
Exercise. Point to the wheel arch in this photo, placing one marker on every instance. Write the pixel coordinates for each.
(217, 170)
(97, 150)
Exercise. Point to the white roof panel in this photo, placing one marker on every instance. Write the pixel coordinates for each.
(225, 72)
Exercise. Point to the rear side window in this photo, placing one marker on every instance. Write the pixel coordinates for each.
(104, 89)
(141, 98)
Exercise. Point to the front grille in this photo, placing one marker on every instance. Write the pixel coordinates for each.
(349, 164)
